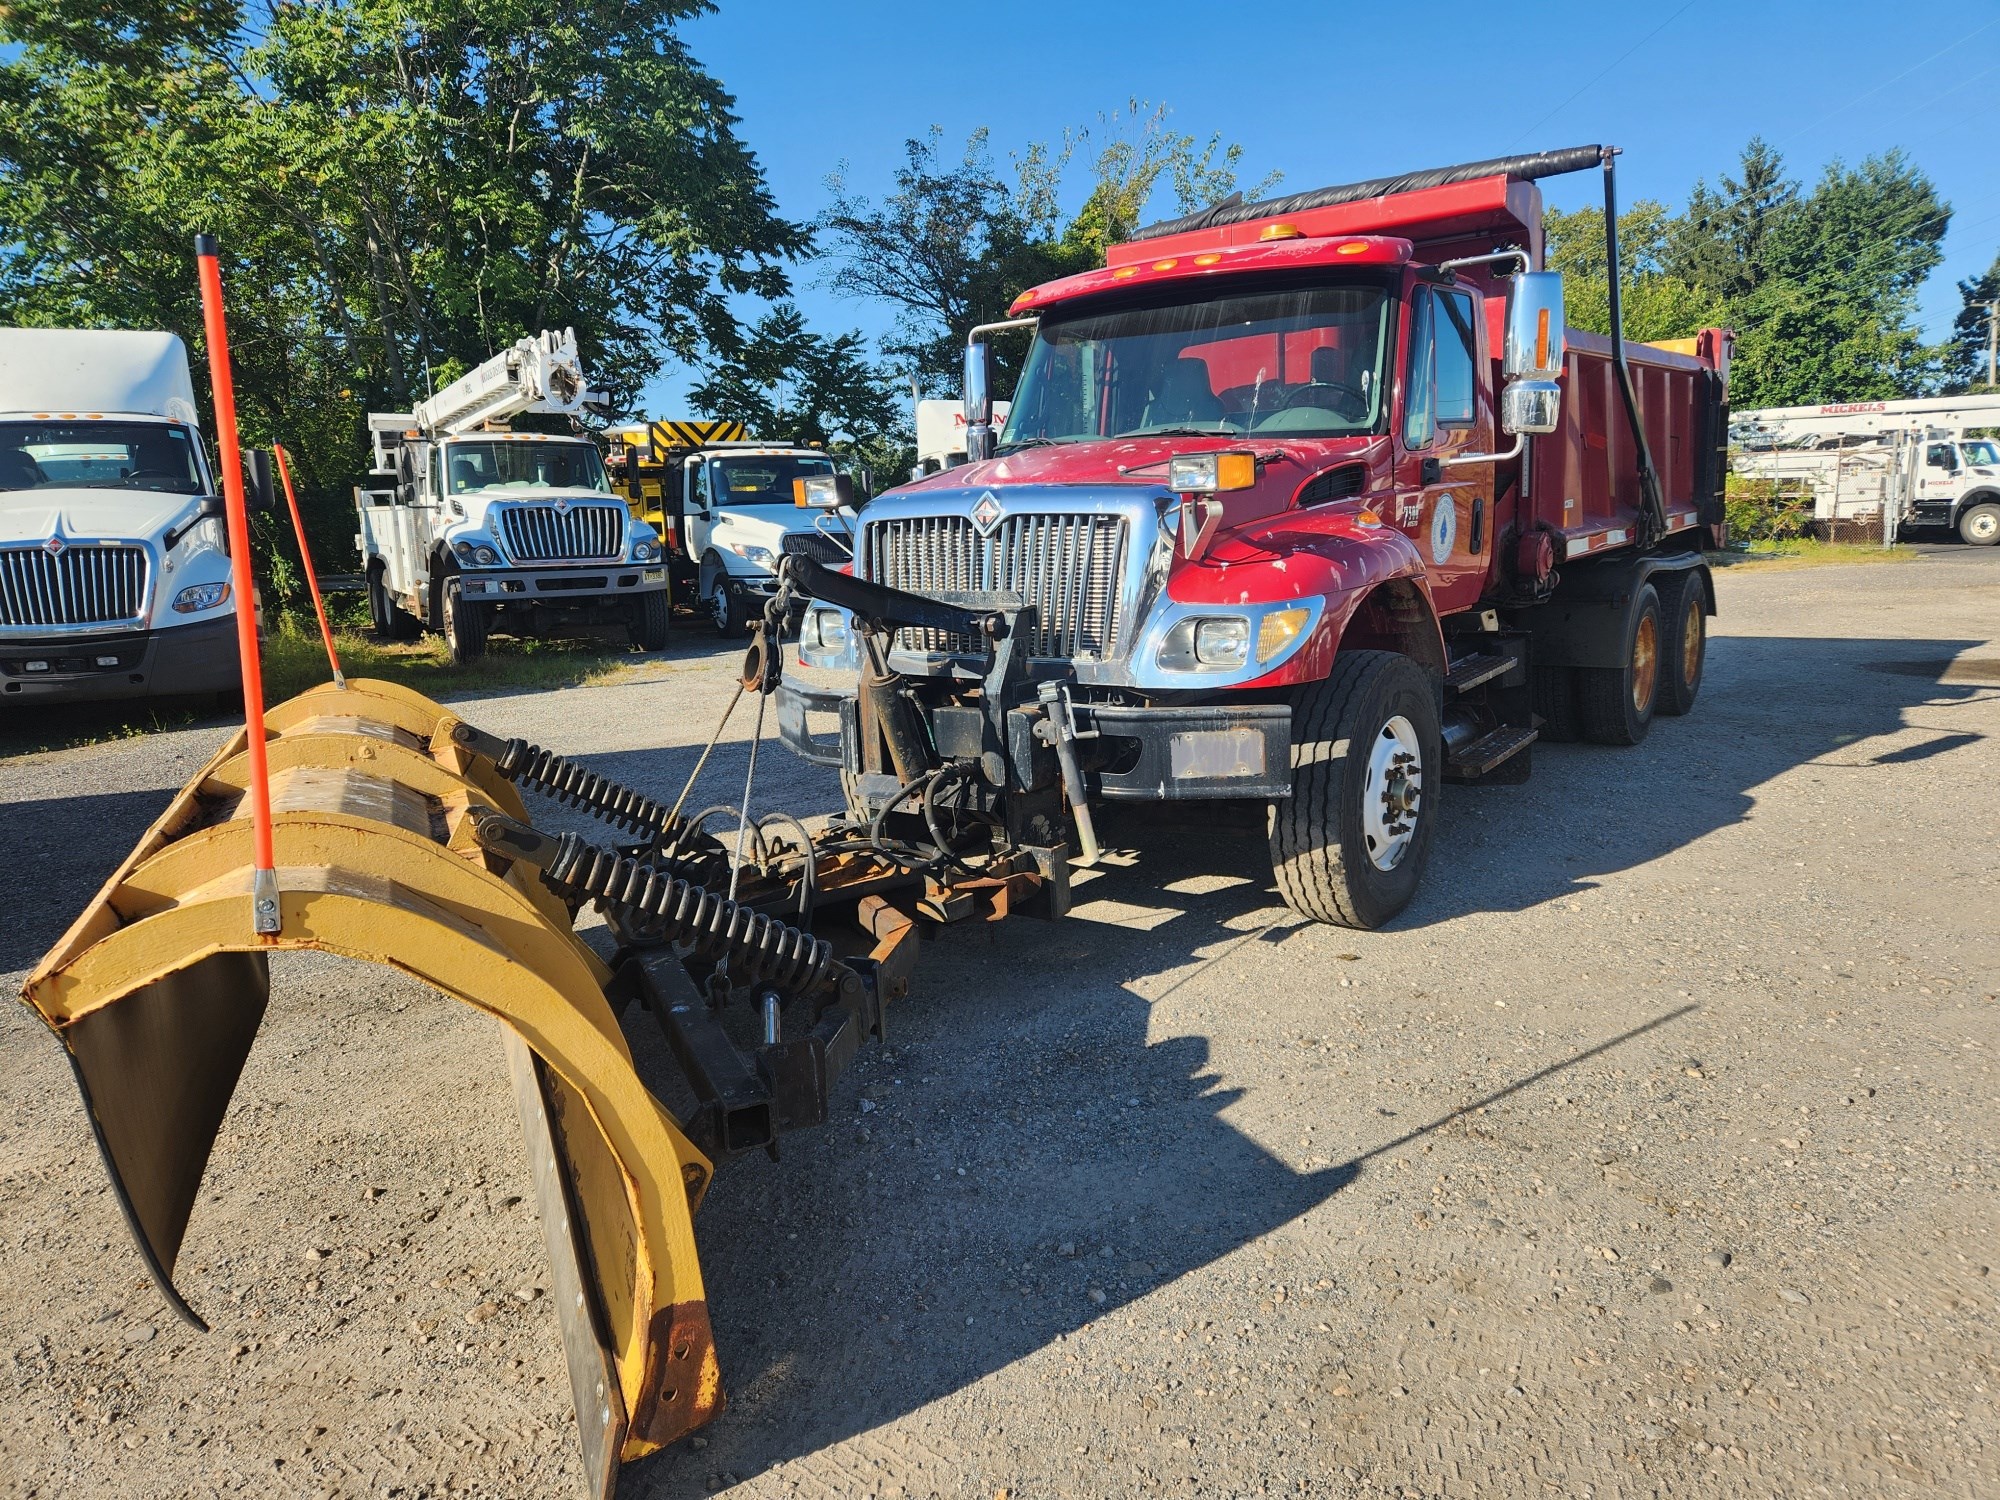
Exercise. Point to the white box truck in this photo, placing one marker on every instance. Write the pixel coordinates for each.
(114, 568)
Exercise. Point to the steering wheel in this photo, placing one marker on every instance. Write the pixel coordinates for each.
(156, 476)
(1341, 393)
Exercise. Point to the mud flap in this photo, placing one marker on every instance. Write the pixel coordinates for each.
(158, 990)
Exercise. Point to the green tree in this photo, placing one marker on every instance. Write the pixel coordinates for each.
(791, 385)
(1966, 353)
(954, 243)
(1721, 242)
(1656, 303)
(401, 187)
(1832, 314)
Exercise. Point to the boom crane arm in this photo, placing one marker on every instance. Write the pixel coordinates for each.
(541, 373)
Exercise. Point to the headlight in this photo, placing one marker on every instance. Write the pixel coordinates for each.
(476, 554)
(198, 597)
(645, 550)
(759, 557)
(1206, 643)
(824, 630)
(1207, 473)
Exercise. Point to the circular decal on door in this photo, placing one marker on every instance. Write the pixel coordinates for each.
(1444, 530)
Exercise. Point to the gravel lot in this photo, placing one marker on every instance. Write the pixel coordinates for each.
(1650, 1154)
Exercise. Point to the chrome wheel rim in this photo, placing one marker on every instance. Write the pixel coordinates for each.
(718, 605)
(1392, 793)
(1984, 525)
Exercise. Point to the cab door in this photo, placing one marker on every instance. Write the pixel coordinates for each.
(1446, 509)
(698, 520)
(1938, 479)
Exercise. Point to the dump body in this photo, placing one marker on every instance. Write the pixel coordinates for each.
(114, 581)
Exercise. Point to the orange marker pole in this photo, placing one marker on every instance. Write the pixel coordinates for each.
(264, 909)
(312, 576)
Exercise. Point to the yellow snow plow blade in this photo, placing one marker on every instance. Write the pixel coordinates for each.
(158, 990)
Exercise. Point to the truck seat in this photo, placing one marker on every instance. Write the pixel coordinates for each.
(19, 471)
(465, 476)
(1184, 396)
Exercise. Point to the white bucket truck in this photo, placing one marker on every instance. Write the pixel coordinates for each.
(114, 568)
(468, 526)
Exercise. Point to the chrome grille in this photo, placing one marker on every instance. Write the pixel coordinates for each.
(82, 584)
(1067, 566)
(577, 533)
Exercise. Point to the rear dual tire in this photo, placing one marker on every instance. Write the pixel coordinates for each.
(391, 621)
(1615, 705)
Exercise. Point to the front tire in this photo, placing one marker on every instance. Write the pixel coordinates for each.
(1617, 703)
(1350, 844)
(649, 625)
(720, 603)
(464, 625)
(1684, 616)
(1980, 525)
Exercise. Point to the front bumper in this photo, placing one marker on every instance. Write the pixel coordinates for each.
(561, 588)
(174, 660)
(1155, 753)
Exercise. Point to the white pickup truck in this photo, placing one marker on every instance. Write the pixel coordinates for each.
(468, 526)
(114, 569)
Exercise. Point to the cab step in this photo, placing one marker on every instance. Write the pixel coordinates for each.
(1488, 751)
(1468, 672)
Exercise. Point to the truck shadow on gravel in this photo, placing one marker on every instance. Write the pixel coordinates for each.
(1022, 1160)
(60, 851)
(1768, 706)
(1019, 1162)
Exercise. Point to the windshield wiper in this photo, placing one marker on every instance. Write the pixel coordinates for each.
(1188, 431)
(1037, 442)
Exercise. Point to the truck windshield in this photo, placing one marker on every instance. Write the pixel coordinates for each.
(1983, 454)
(99, 456)
(1302, 362)
(512, 463)
(762, 480)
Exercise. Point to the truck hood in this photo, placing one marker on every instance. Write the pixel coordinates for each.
(35, 515)
(764, 526)
(1283, 467)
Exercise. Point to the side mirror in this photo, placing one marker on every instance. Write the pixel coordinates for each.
(260, 493)
(978, 401)
(1534, 327)
(1530, 407)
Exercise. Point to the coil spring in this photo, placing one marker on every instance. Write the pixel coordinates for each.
(578, 786)
(769, 951)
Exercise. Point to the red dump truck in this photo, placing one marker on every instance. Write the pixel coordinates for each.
(1314, 501)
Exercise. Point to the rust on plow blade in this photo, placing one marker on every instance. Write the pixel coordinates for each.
(158, 990)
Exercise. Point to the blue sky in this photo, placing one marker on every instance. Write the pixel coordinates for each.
(1329, 93)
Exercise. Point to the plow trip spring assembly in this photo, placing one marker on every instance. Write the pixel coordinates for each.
(767, 953)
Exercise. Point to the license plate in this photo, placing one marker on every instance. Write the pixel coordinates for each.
(1216, 754)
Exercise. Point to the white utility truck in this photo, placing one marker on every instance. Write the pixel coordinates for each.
(1921, 459)
(114, 563)
(468, 526)
(726, 507)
